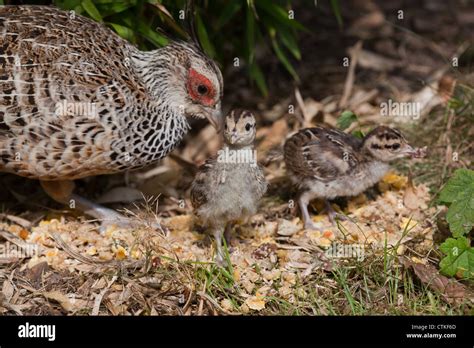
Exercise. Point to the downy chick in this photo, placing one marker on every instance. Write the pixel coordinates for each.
(327, 163)
(228, 186)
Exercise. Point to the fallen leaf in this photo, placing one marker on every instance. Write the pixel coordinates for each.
(287, 228)
(60, 298)
(414, 197)
(451, 290)
(257, 303)
(35, 272)
(227, 304)
(8, 290)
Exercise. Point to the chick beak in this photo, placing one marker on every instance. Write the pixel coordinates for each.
(215, 118)
(233, 137)
(407, 150)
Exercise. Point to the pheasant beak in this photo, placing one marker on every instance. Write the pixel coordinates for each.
(215, 117)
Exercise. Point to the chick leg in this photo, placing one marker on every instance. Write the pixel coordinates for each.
(303, 202)
(332, 214)
(218, 234)
(228, 234)
(61, 191)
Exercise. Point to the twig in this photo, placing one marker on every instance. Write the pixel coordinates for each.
(98, 299)
(201, 302)
(306, 122)
(349, 84)
(17, 220)
(12, 238)
(74, 254)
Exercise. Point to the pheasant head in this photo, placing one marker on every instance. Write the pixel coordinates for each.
(189, 82)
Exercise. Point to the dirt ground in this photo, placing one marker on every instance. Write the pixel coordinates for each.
(275, 265)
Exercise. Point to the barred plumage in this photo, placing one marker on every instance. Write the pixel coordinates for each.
(77, 100)
(328, 163)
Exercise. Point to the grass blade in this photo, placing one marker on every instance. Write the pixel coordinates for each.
(123, 31)
(227, 13)
(257, 76)
(151, 35)
(91, 10)
(282, 56)
(204, 37)
(288, 39)
(250, 34)
(337, 12)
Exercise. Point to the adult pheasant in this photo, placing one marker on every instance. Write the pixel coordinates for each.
(77, 100)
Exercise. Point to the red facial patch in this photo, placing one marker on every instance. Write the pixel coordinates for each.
(200, 88)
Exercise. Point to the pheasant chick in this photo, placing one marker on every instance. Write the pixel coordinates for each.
(327, 163)
(229, 185)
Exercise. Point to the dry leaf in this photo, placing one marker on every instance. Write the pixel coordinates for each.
(60, 298)
(414, 197)
(257, 303)
(227, 305)
(286, 228)
(451, 290)
(8, 290)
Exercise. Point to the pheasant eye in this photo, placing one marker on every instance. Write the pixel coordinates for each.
(202, 90)
(248, 126)
(395, 146)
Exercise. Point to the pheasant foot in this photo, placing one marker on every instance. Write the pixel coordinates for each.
(333, 215)
(61, 191)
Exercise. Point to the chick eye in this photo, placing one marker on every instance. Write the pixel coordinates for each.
(248, 126)
(225, 127)
(202, 90)
(395, 146)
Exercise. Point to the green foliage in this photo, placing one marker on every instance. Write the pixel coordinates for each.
(226, 29)
(91, 10)
(455, 103)
(337, 12)
(346, 119)
(460, 258)
(459, 194)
